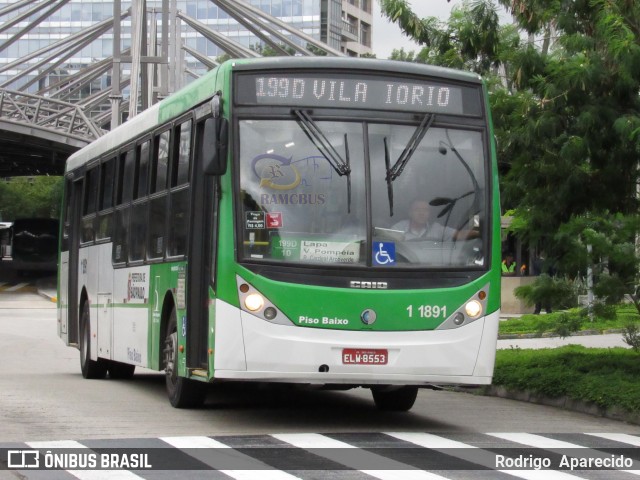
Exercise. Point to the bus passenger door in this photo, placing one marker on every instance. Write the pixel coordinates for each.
(72, 231)
(201, 258)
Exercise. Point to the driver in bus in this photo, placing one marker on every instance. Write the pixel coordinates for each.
(421, 226)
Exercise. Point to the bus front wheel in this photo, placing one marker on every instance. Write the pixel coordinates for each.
(398, 400)
(90, 368)
(182, 392)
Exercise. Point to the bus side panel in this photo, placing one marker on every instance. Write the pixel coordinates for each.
(131, 315)
(229, 339)
(63, 298)
(165, 279)
(488, 345)
(104, 299)
(88, 269)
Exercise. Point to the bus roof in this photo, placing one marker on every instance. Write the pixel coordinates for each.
(202, 88)
(351, 63)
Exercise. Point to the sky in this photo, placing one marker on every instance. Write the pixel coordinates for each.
(387, 36)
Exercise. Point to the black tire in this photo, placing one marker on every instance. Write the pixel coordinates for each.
(120, 371)
(90, 368)
(182, 392)
(399, 400)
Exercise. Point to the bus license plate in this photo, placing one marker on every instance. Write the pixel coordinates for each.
(357, 356)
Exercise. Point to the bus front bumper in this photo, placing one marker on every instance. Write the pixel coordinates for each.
(252, 349)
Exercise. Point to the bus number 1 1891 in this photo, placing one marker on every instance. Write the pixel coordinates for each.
(428, 311)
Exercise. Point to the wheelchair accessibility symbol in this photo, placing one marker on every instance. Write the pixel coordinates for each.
(384, 253)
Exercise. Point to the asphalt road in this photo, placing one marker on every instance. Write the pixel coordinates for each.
(43, 398)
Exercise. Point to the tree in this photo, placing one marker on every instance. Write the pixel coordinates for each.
(402, 56)
(564, 94)
(30, 197)
(268, 51)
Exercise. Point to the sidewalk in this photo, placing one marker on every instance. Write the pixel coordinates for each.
(591, 341)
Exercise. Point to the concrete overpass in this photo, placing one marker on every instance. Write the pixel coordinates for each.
(37, 134)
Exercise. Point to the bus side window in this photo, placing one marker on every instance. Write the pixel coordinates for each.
(179, 222)
(89, 205)
(160, 162)
(66, 228)
(120, 237)
(158, 207)
(138, 226)
(182, 154)
(126, 177)
(142, 169)
(137, 232)
(105, 199)
(157, 222)
(180, 197)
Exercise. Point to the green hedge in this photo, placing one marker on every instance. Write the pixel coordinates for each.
(605, 377)
(546, 323)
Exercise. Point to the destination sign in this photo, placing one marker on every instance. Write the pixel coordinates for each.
(361, 92)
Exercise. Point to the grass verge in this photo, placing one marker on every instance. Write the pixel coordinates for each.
(607, 378)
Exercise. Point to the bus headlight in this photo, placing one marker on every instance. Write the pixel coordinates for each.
(254, 302)
(270, 313)
(473, 308)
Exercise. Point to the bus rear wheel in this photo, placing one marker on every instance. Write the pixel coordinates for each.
(90, 368)
(398, 400)
(182, 392)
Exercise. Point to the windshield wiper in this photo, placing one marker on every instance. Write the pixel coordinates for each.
(412, 145)
(328, 151)
(476, 187)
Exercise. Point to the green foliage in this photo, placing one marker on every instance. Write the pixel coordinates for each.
(631, 335)
(606, 377)
(316, 51)
(471, 40)
(616, 317)
(402, 56)
(28, 197)
(567, 324)
(566, 114)
(223, 58)
(559, 291)
(269, 51)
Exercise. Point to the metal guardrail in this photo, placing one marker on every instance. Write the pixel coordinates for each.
(45, 113)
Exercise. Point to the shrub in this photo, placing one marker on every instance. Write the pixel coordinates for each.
(560, 292)
(606, 377)
(631, 336)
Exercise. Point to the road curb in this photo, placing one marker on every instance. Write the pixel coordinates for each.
(582, 333)
(45, 290)
(51, 298)
(563, 402)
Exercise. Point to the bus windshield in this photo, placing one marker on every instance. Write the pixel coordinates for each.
(390, 195)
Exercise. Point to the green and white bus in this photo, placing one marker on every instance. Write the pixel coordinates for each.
(259, 226)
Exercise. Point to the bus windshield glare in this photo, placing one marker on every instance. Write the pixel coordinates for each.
(410, 195)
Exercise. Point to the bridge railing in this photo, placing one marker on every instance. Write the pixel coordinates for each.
(48, 114)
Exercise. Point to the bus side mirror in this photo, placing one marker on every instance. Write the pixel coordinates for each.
(214, 141)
